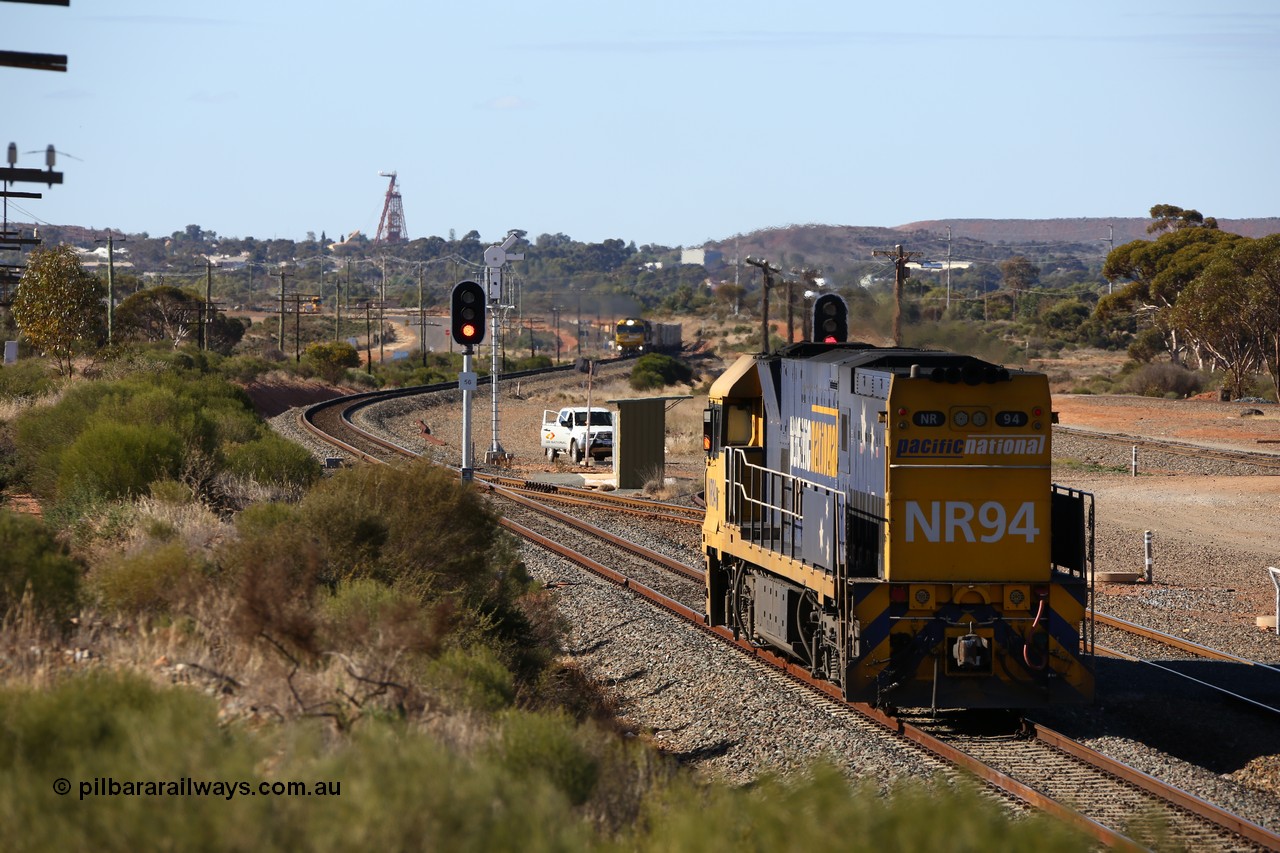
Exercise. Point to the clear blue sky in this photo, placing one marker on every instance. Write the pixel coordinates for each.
(658, 122)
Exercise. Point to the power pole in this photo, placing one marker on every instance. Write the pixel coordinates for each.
(948, 267)
(422, 319)
(382, 316)
(900, 260)
(555, 311)
(282, 274)
(767, 270)
(791, 324)
(111, 283)
(810, 277)
(208, 300)
(1110, 240)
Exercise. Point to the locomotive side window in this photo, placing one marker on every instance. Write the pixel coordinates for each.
(737, 424)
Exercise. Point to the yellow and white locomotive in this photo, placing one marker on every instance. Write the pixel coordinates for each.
(886, 517)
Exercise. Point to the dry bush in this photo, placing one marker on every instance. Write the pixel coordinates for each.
(152, 580)
(237, 493)
(655, 484)
(193, 524)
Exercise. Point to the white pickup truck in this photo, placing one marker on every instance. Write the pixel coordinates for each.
(566, 431)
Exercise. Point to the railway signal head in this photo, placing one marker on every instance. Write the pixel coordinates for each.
(830, 319)
(467, 313)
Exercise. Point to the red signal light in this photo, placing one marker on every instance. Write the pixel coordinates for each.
(467, 313)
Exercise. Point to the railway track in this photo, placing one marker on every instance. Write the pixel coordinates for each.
(1261, 459)
(1107, 800)
(1239, 679)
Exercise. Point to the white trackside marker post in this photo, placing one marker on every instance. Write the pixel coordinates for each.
(1146, 547)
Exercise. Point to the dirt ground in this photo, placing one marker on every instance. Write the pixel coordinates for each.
(1201, 420)
(1239, 512)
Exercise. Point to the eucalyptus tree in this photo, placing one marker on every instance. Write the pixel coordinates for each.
(1233, 308)
(1154, 274)
(59, 306)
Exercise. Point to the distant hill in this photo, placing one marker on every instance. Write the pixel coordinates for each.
(834, 247)
(1072, 230)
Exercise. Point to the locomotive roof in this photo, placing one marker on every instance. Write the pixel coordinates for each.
(892, 359)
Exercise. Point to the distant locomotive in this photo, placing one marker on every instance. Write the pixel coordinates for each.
(634, 335)
(886, 518)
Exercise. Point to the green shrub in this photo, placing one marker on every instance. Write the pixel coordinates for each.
(273, 576)
(412, 525)
(115, 460)
(549, 745)
(244, 368)
(655, 370)
(31, 558)
(28, 378)
(200, 412)
(171, 492)
(261, 519)
(1147, 345)
(331, 359)
(275, 460)
(150, 581)
(474, 677)
(818, 811)
(364, 614)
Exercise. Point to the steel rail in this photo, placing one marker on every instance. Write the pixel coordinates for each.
(1260, 458)
(599, 502)
(668, 563)
(644, 504)
(1195, 805)
(1116, 653)
(1176, 642)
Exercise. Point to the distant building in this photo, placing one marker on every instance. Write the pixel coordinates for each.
(230, 262)
(94, 258)
(701, 257)
(938, 266)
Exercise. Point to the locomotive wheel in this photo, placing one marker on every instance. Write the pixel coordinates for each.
(742, 605)
(806, 620)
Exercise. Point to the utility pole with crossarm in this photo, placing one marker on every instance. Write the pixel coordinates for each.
(900, 260)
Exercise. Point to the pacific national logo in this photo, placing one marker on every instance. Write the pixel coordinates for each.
(971, 446)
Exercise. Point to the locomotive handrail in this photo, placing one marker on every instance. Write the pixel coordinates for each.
(775, 501)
